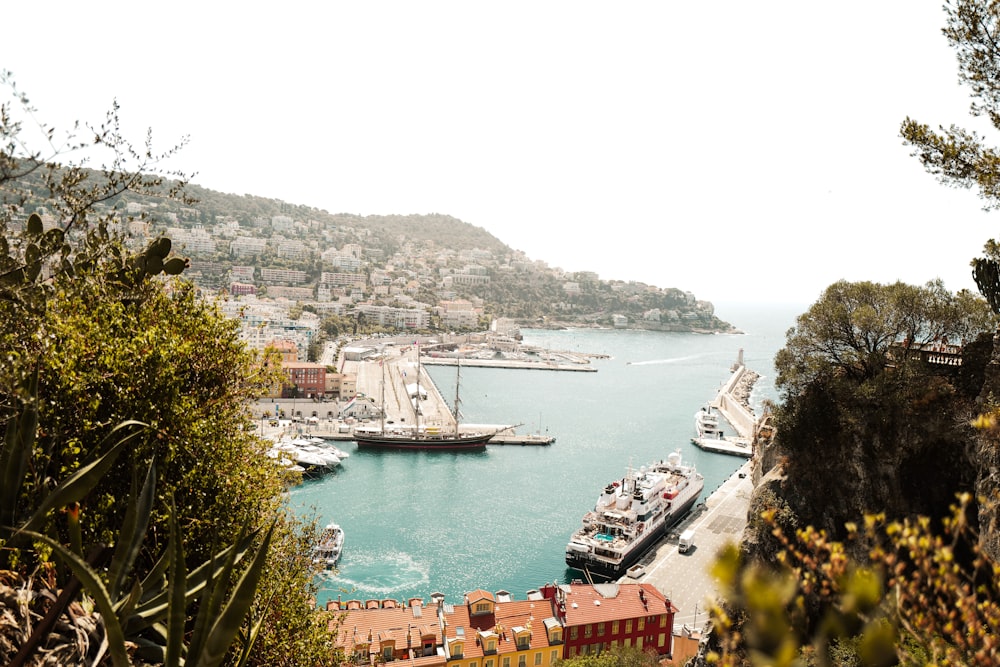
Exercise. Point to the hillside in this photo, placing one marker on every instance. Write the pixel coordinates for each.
(274, 248)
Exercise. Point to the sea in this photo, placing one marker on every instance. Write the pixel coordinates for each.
(418, 523)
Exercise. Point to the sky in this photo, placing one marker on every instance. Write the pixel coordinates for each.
(746, 152)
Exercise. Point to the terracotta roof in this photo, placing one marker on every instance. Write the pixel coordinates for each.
(477, 595)
(609, 602)
(353, 626)
(527, 614)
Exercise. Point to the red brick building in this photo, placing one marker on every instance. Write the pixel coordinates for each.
(597, 617)
(303, 380)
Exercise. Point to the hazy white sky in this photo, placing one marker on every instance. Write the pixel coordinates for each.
(748, 152)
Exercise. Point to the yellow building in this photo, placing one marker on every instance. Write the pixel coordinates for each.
(489, 631)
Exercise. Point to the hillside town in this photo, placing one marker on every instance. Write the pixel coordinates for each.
(282, 276)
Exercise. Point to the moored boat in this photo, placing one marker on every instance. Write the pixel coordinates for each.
(710, 437)
(422, 437)
(327, 550)
(631, 515)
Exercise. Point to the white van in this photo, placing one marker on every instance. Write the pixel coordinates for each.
(686, 541)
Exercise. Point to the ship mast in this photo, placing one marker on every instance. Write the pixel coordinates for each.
(381, 398)
(458, 381)
(416, 400)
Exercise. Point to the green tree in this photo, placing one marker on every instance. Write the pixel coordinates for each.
(110, 340)
(957, 156)
(851, 330)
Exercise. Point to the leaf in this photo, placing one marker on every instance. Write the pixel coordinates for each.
(176, 595)
(133, 531)
(19, 439)
(174, 266)
(34, 227)
(242, 596)
(92, 583)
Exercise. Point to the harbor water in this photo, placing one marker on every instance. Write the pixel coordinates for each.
(423, 522)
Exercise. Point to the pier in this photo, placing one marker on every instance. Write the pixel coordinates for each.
(684, 577)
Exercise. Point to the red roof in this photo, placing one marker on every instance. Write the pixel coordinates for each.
(610, 602)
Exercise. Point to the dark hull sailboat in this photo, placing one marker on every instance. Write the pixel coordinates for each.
(441, 443)
(427, 439)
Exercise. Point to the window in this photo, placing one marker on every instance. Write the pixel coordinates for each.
(642, 623)
(456, 650)
(472, 663)
(614, 627)
(638, 643)
(553, 656)
(488, 663)
(663, 620)
(573, 633)
(482, 608)
(522, 660)
(538, 658)
(588, 630)
(387, 653)
(628, 626)
(663, 640)
(600, 629)
(506, 662)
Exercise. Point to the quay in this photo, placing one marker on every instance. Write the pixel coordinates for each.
(685, 577)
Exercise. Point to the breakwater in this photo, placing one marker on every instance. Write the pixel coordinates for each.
(733, 400)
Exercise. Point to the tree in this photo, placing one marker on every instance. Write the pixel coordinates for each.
(957, 156)
(95, 336)
(851, 329)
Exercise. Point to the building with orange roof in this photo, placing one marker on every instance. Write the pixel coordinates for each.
(488, 630)
(483, 632)
(370, 634)
(599, 616)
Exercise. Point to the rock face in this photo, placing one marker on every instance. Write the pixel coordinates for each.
(903, 445)
(988, 460)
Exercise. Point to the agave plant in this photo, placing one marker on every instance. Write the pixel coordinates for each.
(148, 614)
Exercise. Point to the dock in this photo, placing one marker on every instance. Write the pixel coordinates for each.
(515, 439)
(684, 577)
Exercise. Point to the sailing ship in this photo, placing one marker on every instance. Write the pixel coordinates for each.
(421, 437)
(632, 515)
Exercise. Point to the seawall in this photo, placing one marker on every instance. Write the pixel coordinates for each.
(730, 401)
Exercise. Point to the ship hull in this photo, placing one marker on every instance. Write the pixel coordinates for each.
(602, 569)
(437, 444)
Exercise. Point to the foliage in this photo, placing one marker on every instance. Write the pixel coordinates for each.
(958, 156)
(94, 338)
(925, 596)
(616, 656)
(851, 329)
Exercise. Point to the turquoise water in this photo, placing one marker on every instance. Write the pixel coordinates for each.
(423, 522)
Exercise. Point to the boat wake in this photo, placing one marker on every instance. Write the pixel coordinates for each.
(672, 360)
(378, 574)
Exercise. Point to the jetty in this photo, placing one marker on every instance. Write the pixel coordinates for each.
(731, 403)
